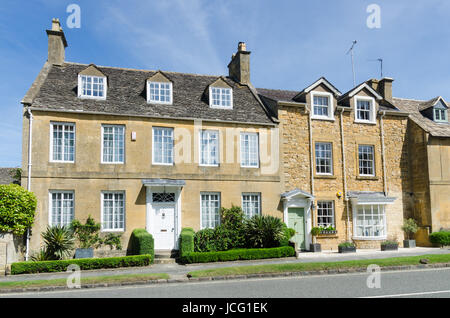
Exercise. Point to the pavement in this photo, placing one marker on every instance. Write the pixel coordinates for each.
(177, 271)
(396, 284)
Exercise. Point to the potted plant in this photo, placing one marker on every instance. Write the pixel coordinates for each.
(389, 246)
(347, 247)
(315, 247)
(410, 228)
(88, 237)
(330, 230)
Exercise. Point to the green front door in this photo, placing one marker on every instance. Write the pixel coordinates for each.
(296, 220)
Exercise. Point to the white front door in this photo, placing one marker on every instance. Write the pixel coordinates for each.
(164, 229)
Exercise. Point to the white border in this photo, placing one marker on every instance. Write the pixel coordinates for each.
(153, 146)
(220, 205)
(124, 145)
(80, 88)
(373, 117)
(332, 159)
(211, 99)
(240, 149)
(74, 142)
(124, 211)
(369, 238)
(200, 133)
(373, 162)
(50, 203)
(159, 102)
(330, 106)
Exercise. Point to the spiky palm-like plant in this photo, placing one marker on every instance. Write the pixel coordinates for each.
(59, 242)
(264, 231)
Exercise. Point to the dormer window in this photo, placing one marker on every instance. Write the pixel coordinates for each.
(159, 93)
(91, 87)
(440, 115)
(322, 105)
(220, 97)
(365, 110)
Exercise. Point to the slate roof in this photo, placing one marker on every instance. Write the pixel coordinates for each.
(369, 196)
(56, 89)
(413, 107)
(6, 175)
(278, 95)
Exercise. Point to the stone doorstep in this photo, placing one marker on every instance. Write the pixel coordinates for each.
(178, 279)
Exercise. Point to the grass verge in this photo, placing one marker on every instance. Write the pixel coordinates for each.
(300, 267)
(84, 280)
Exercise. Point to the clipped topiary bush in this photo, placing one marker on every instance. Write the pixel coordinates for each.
(84, 263)
(17, 207)
(186, 241)
(238, 254)
(142, 243)
(441, 238)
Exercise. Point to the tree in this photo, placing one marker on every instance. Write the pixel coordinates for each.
(17, 208)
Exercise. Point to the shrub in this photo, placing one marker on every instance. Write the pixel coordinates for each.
(211, 240)
(238, 254)
(17, 208)
(113, 241)
(442, 238)
(288, 233)
(84, 263)
(186, 241)
(142, 243)
(410, 228)
(233, 221)
(347, 244)
(315, 231)
(389, 243)
(88, 233)
(59, 242)
(264, 231)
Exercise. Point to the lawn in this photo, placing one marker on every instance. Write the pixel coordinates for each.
(84, 280)
(300, 267)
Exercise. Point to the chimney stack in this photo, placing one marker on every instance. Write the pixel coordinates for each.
(239, 67)
(383, 87)
(56, 44)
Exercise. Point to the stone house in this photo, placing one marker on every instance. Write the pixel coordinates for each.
(344, 161)
(146, 149)
(429, 163)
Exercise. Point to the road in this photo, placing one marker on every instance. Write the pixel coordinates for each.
(415, 283)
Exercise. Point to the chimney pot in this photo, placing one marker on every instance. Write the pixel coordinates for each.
(242, 47)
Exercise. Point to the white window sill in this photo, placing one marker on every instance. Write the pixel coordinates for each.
(250, 167)
(370, 238)
(205, 165)
(162, 164)
(112, 163)
(323, 118)
(61, 161)
(221, 107)
(92, 97)
(112, 231)
(158, 103)
(365, 122)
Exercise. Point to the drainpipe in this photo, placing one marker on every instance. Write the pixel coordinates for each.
(30, 138)
(344, 175)
(311, 158)
(383, 154)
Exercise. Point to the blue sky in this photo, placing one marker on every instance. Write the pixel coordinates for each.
(293, 43)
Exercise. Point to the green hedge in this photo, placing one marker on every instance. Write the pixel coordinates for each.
(238, 254)
(142, 243)
(186, 241)
(84, 263)
(442, 238)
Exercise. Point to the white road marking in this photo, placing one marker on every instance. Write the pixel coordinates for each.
(411, 294)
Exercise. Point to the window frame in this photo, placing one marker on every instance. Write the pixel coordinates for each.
(258, 195)
(52, 123)
(153, 146)
(333, 216)
(102, 217)
(50, 204)
(80, 87)
(102, 159)
(356, 226)
(242, 153)
(331, 173)
(211, 103)
(330, 105)
(202, 226)
(217, 132)
(150, 101)
(442, 111)
(372, 111)
(373, 161)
